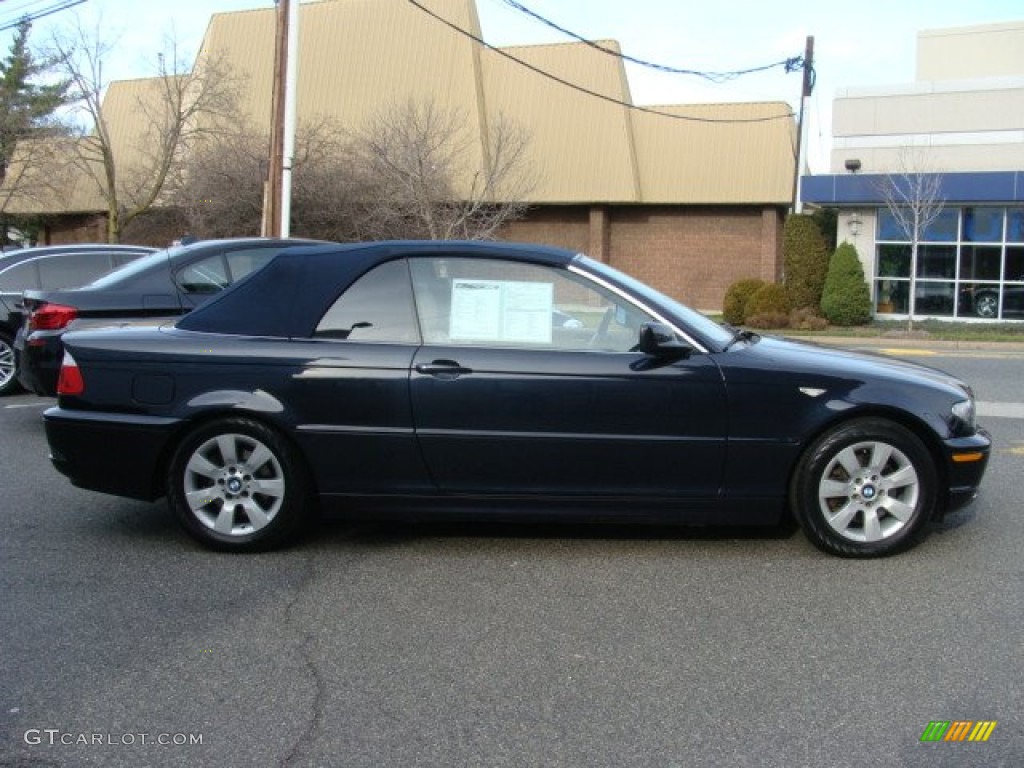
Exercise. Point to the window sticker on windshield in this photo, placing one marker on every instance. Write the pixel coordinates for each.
(502, 311)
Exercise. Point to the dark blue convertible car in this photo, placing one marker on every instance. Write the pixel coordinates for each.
(497, 380)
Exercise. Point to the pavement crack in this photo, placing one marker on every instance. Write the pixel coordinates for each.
(314, 718)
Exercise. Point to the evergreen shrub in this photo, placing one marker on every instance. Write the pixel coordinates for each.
(846, 299)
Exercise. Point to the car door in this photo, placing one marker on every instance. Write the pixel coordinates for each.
(527, 383)
(350, 390)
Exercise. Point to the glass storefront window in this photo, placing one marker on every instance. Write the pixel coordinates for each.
(936, 261)
(891, 296)
(888, 226)
(945, 227)
(1015, 225)
(980, 262)
(1013, 268)
(979, 300)
(894, 261)
(970, 264)
(982, 225)
(934, 298)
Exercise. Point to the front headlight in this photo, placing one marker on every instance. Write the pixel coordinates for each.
(964, 413)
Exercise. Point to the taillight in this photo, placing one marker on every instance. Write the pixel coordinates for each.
(70, 381)
(51, 317)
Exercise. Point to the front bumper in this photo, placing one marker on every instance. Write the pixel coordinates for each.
(119, 454)
(966, 462)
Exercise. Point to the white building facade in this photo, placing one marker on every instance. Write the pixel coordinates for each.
(960, 125)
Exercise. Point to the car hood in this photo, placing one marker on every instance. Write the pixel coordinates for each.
(811, 358)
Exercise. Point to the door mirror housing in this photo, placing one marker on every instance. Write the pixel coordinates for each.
(659, 340)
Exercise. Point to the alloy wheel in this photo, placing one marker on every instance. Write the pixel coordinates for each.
(234, 484)
(869, 491)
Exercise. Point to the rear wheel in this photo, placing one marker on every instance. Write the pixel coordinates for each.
(865, 489)
(8, 366)
(238, 485)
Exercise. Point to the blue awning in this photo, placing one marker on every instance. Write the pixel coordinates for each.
(978, 187)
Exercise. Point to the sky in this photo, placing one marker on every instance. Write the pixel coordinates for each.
(858, 44)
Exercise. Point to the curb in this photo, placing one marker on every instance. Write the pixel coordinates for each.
(1005, 347)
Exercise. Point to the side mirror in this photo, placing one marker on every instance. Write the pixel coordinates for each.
(659, 340)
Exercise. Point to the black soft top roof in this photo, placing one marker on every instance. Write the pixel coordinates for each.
(288, 296)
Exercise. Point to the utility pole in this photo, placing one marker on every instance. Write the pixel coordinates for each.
(290, 115)
(275, 168)
(805, 93)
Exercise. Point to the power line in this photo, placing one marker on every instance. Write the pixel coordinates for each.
(791, 64)
(587, 91)
(63, 5)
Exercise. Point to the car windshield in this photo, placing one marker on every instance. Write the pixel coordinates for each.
(693, 319)
(135, 267)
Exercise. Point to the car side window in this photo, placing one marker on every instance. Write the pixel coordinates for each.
(490, 302)
(19, 278)
(242, 262)
(120, 259)
(376, 308)
(215, 273)
(208, 275)
(70, 270)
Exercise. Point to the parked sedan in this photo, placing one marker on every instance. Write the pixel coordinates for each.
(385, 378)
(49, 267)
(166, 284)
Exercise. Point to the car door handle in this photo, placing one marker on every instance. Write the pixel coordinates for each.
(442, 369)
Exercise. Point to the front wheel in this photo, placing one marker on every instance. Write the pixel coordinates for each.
(865, 489)
(237, 485)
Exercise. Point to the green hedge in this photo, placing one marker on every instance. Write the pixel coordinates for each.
(734, 306)
(769, 299)
(806, 258)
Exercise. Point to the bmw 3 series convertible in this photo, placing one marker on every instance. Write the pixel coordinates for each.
(502, 381)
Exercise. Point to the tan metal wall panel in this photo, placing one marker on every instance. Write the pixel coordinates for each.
(581, 147)
(689, 161)
(357, 59)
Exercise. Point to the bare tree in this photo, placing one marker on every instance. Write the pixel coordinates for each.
(435, 179)
(218, 188)
(168, 113)
(913, 195)
(408, 174)
(220, 185)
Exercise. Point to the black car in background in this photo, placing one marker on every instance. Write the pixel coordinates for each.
(165, 284)
(493, 380)
(983, 300)
(50, 267)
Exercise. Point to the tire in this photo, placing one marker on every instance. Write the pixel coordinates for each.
(986, 305)
(238, 485)
(8, 366)
(867, 488)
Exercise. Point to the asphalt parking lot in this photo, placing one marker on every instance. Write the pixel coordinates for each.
(123, 644)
